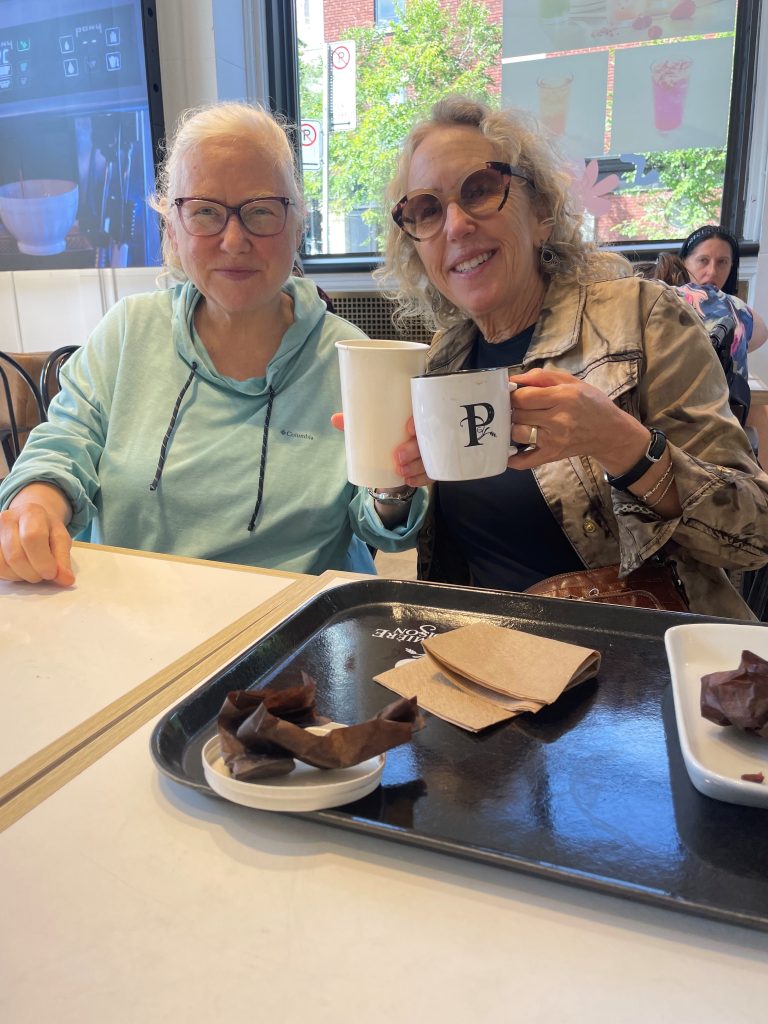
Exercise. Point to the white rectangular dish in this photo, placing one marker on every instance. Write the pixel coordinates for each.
(716, 756)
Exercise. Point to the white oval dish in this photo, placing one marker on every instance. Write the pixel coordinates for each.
(716, 756)
(305, 789)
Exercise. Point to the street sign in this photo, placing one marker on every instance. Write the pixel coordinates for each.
(343, 75)
(310, 145)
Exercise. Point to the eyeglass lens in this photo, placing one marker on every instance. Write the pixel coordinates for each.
(261, 216)
(481, 194)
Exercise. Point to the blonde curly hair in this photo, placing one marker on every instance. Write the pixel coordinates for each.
(225, 120)
(518, 140)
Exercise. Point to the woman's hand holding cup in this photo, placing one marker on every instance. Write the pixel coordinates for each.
(409, 461)
(572, 419)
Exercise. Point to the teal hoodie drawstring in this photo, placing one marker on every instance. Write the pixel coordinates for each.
(264, 441)
(263, 464)
(169, 431)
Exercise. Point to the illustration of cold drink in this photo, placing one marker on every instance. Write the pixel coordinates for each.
(554, 99)
(670, 87)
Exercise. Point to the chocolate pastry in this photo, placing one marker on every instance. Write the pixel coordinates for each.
(739, 696)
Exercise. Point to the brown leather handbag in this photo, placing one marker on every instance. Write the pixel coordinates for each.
(654, 585)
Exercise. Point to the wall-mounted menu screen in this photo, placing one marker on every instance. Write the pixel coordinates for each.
(80, 120)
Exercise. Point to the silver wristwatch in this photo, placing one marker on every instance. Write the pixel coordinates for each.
(397, 496)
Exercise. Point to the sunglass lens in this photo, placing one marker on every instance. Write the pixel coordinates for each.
(422, 215)
(483, 191)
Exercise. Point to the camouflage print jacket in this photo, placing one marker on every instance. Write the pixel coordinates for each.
(637, 342)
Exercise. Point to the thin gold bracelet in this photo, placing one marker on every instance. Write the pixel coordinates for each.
(653, 504)
(657, 485)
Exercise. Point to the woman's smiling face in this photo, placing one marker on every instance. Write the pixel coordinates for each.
(237, 272)
(486, 267)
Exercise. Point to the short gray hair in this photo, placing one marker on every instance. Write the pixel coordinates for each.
(519, 140)
(226, 120)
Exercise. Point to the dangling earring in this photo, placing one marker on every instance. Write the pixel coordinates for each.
(548, 259)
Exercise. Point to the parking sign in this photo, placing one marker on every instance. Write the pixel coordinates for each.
(310, 144)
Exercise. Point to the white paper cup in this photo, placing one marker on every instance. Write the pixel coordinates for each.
(376, 402)
(463, 423)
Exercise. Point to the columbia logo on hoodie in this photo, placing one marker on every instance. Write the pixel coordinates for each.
(303, 437)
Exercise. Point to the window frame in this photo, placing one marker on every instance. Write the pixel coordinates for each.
(281, 40)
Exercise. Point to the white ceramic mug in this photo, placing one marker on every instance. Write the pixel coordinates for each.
(376, 402)
(463, 423)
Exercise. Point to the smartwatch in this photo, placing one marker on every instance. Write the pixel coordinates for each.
(655, 450)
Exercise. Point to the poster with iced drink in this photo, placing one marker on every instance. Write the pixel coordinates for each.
(541, 26)
(672, 96)
(560, 92)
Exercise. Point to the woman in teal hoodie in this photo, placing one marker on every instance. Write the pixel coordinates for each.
(196, 419)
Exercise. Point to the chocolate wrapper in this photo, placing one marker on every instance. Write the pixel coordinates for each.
(738, 697)
(262, 731)
(247, 759)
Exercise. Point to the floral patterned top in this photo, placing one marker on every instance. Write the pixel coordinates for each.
(711, 304)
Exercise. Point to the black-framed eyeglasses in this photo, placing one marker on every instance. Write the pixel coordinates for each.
(480, 193)
(263, 217)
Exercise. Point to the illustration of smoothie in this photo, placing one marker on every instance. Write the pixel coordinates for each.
(669, 80)
(554, 99)
(554, 10)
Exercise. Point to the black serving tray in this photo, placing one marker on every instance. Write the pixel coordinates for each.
(592, 791)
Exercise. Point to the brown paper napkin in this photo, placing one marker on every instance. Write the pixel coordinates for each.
(512, 662)
(476, 676)
(424, 679)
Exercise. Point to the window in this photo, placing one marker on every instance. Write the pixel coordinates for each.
(636, 94)
(387, 12)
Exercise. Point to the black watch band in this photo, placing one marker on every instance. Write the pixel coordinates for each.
(655, 450)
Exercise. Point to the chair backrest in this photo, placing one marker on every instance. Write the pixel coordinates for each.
(21, 406)
(51, 372)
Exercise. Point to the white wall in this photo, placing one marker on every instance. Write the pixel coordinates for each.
(209, 49)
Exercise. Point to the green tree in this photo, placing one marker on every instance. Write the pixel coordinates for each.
(402, 69)
(690, 194)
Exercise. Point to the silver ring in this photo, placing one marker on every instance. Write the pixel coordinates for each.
(534, 436)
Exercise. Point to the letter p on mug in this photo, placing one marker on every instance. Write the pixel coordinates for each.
(463, 422)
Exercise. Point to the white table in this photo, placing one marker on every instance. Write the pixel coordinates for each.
(73, 660)
(129, 898)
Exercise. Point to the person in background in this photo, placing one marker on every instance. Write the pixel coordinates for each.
(712, 304)
(196, 420)
(711, 256)
(631, 449)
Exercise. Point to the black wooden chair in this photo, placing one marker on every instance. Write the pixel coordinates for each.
(51, 372)
(21, 405)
